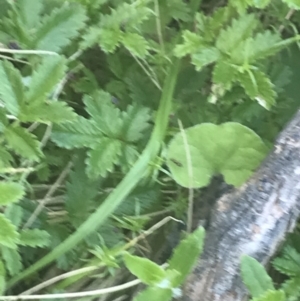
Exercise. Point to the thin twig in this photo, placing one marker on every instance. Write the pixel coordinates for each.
(50, 192)
(13, 59)
(16, 51)
(58, 278)
(151, 230)
(191, 178)
(74, 295)
(287, 17)
(155, 82)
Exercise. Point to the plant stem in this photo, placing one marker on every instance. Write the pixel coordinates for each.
(126, 185)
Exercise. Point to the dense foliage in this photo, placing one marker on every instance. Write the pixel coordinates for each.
(95, 97)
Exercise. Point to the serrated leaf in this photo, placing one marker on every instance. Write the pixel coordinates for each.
(10, 192)
(11, 88)
(103, 156)
(146, 270)
(224, 74)
(179, 10)
(55, 111)
(239, 30)
(291, 287)
(256, 48)
(271, 296)
(109, 39)
(29, 11)
(191, 44)
(80, 192)
(258, 87)
(34, 238)
(230, 149)
(14, 213)
(59, 28)
(135, 122)
(5, 158)
(205, 57)
(9, 236)
(191, 245)
(136, 44)
(288, 263)
(255, 276)
(154, 293)
(2, 278)
(105, 114)
(23, 143)
(12, 260)
(44, 78)
(76, 134)
(3, 120)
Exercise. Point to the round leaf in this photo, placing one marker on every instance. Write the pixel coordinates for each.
(230, 149)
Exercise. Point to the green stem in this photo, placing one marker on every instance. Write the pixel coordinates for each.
(126, 185)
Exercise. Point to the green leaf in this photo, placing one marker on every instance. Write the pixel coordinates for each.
(14, 213)
(5, 158)
(253, 49)
(3, 120)
(106, 115)
(191, 44)
(294, 4)
(44, 78)
(255, 276)
(224, 74)
(2, 278)
(76, 134)
(135, 122)
(29, 12)
(191, 245)
(179, 10)
(34, 238)
(230, 149)
(59, 28)
(146, 270)
(291, 287)
(80, 192)
(109, 39)
(103, 156)
(288, 263)
(10, 192)
(12, 260)
(11, 88)
(54, 111)
(154, 294)
(9, 236)
(23, 143)
(205, 57)
(258, 87)
(239, 30)
(271, 296)
(136, 44)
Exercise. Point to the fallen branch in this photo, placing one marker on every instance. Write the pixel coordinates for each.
(252, 220)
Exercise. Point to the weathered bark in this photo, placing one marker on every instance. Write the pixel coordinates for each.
(252, 220)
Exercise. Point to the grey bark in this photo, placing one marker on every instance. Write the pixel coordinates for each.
(252, 220)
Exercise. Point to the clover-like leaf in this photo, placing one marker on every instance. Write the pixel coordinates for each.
(230, 149)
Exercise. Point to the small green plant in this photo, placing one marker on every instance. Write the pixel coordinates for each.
(91, 92)
(164, 284)
(260, 284)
